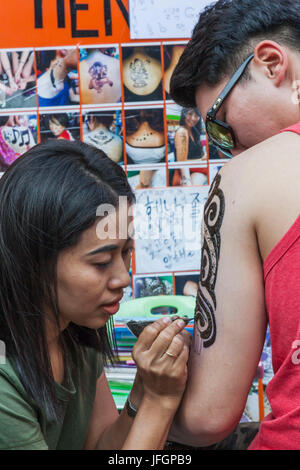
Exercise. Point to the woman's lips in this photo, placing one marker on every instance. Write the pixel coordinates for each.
(111, 308)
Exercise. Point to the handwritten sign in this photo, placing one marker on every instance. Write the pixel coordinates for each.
(168, 229)
(151, 19)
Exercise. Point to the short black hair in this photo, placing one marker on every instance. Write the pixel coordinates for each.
(104, 118)
(226, 33)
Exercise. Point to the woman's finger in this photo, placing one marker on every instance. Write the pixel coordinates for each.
(175, 348)
(162, 342)
(179, 363)
(150, 333)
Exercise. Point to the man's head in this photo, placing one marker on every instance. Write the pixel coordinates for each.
(264, 99)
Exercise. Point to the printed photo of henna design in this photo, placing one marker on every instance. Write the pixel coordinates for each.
(205, 322)
(142, 73)
(138, 73)
(98, 72)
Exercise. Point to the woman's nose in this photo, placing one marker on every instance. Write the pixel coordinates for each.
(121, 278)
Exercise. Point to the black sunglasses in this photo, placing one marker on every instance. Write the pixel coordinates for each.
(221, 134)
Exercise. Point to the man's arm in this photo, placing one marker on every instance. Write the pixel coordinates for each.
(230, 318)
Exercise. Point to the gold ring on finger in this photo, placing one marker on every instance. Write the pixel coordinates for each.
(171, 355)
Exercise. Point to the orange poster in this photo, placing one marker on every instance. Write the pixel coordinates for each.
(40, 23)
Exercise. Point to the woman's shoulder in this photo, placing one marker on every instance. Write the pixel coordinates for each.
(18, 414)
(181, 131)
(10, 382)
(8, 372)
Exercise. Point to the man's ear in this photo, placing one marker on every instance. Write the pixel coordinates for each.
(274, 58)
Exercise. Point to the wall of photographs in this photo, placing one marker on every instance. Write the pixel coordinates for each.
(117, 97)
(113, 92)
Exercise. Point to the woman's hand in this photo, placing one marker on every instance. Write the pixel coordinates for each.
(161, 355)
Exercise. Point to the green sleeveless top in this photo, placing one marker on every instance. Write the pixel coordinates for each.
(23, 424)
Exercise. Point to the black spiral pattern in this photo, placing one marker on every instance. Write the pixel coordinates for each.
(211, 243)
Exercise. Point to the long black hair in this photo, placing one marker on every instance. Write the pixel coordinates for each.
(49, 196)
(184, 112)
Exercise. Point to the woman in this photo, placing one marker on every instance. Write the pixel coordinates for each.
(188, 147)
(145, 141)
(61, 283)
(58, 125)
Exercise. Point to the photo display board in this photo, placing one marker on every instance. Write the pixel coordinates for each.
(73, 72)
(90, 71)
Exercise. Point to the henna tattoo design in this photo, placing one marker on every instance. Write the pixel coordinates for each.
(138, 73)
(98, 72)
(206, 304)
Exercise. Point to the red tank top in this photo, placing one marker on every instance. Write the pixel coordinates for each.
(280, 430)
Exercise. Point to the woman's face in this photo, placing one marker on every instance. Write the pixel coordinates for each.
(92, 275)
(55, 127)
(191, 118)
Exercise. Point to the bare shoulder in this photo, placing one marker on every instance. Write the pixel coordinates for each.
(276, 151)
(263, 184)
(181, 132)
(272, 164)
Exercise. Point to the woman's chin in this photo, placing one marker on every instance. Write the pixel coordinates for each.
(96, 322)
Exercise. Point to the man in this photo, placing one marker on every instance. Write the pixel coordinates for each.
(251, 230)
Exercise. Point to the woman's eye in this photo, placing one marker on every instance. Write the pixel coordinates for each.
(126, 253)
(102, 265)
